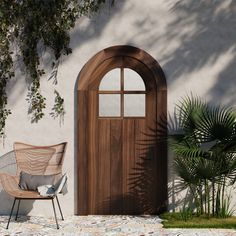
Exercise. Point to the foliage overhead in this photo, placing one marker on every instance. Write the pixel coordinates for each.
(28, 27)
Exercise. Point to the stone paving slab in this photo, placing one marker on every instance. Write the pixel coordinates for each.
(100, 226)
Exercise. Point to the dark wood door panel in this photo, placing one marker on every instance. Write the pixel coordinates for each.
(122, 166)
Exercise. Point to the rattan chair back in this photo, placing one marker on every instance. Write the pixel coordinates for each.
(39, 160)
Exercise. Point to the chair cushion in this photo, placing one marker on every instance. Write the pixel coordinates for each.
(31, 182)
(53, 190)
(60, 186)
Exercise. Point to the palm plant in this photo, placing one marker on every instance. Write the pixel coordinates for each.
(204, 144)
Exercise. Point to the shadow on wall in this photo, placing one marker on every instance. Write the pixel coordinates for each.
(80, 35)
(200, 39)
(8, 165)
(93, 28)
(207, 39)
(203, 32)
(207, 43)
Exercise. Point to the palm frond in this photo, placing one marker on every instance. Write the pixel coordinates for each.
(216, 123)
(188, 111)
(185, 169)
(186, 151)
(207, 169)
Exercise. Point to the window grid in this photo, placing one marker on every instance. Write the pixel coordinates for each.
(121, 92)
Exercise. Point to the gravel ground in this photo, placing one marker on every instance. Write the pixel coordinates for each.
(99, 225)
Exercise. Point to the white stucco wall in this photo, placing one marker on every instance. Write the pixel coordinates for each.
(193, 41)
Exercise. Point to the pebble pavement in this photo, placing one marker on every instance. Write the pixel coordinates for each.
(99, 226)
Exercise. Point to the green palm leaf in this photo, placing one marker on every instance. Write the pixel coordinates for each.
(188, 110)
(185, 169)
(204, 144)
(216, 123)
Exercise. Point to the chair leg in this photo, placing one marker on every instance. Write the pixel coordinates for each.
(18, 206)
(11, 213)
(59, 208)
(55, 213)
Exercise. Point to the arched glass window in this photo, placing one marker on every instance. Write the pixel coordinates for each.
(122, 93)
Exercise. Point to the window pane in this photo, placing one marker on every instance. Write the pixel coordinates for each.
(111, 80)
(134, 105)
(133, 81)
(109, 105)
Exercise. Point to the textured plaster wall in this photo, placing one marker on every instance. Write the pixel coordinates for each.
(194, 42)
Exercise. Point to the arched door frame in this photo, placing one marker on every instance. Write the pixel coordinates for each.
(85, 79)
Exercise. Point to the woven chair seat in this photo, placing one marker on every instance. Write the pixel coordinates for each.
(10, 185)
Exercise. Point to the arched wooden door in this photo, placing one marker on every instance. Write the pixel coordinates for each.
(122, 166)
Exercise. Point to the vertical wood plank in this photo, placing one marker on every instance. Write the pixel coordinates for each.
(128, 164)
(140, 150)
(92, 152)
(104, 177)
(116, 167)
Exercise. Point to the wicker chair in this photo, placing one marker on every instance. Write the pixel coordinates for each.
(34, 160)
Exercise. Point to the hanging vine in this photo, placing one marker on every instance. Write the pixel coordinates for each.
(28, 25)
(58, 109)
(6, 63)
